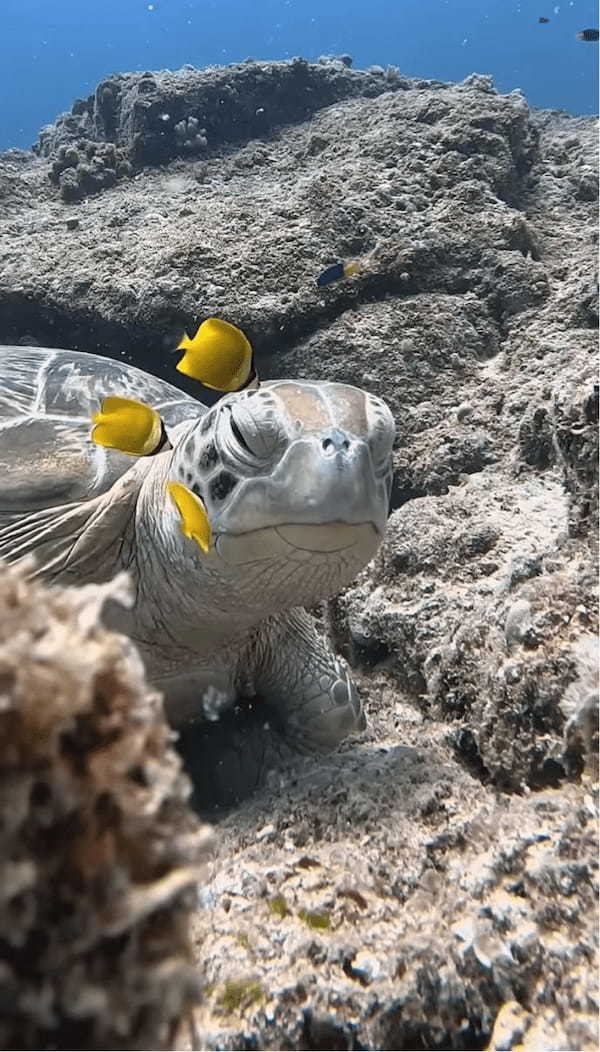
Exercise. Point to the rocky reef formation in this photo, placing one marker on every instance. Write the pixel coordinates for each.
(99, 854)
(138, 119)
(433, 884)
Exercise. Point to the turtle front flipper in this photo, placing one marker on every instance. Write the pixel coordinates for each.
(309, 688)
(305, 703)
(81, 542)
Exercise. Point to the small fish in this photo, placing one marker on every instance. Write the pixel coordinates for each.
(543, 20)
(194, 520)
(588, 34)
(219, 356)
(129, 426)
(338, 271)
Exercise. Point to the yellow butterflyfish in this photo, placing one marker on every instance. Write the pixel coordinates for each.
(194, 520)
(129, 426)
(219, 356)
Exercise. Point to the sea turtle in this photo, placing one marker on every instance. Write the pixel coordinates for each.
(296, 480)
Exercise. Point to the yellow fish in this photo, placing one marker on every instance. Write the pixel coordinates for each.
(194, 520)
(129, 426)
(219, 356)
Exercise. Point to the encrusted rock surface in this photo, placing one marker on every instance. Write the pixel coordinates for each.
(153, 117)
(388, 901)
(99, 854)
(433, 884)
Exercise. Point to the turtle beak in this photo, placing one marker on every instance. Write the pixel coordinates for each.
(321, 480)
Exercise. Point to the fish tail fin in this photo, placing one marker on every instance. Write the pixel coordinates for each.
(184, 344)
(353, 267)
(372, 253)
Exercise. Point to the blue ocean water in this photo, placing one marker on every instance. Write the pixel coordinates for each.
(53, 51)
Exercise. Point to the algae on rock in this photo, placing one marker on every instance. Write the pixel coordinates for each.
(99, 853)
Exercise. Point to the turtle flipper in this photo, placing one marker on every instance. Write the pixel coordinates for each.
(307, 686)
(86, 539)
(305, 703)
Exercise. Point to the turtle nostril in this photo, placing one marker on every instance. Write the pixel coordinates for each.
(335, 442)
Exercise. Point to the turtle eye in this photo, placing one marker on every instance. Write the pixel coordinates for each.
(253, 434)
(238, 435)
(241, 434)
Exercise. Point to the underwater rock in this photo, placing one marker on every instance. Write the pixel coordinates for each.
(399, 903)
(580, 705)
(431, 885)
(151, 118)
(575, 431)
(99, 853)
(503, 674)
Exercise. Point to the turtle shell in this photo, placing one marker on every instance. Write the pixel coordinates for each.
(47, 397)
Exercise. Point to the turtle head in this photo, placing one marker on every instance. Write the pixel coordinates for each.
(295, 478)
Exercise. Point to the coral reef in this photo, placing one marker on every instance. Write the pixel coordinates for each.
(87, 168)
(99, 854)
(432, 885)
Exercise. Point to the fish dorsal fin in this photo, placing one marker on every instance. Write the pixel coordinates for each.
(86, 539)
